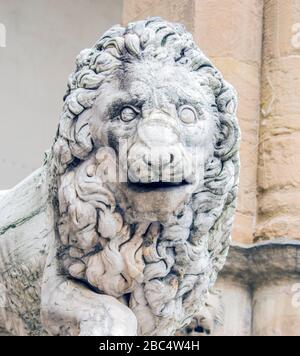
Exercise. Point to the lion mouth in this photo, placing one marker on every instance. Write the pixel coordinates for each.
(151, 186)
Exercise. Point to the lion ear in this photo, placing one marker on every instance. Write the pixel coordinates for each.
(82, 144)
(228, 134)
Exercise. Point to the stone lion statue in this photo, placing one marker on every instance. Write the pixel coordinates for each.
(135, 203)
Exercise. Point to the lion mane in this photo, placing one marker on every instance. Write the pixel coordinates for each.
(163, 270)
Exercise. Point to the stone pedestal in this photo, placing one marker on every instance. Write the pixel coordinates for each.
(260, 290)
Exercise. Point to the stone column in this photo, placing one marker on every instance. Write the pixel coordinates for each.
(260, 290)
(236, 306)
(279, 154)
(230, 33)
(276, 308)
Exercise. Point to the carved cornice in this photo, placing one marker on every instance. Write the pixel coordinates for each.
(263, 262)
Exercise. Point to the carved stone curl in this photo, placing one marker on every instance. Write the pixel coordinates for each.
(127, 225)
(157, 239)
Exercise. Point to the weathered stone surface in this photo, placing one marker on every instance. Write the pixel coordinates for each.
(25, 224)
(146, 232)
(230, 29)
(273, 311)
(259, 283)
(2, 192)
(260, 290)
(234, 37)
(230, 33)
(148, 238)
(279, 29)
(27, 238)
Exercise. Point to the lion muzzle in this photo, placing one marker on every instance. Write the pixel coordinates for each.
(158, 156)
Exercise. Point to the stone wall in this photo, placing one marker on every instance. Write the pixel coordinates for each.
(256, 45)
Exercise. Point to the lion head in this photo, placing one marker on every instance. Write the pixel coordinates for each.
(147, 168)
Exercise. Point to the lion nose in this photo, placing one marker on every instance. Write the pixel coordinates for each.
(159, 159)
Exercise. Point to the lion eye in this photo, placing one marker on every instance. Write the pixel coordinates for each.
(128, 114)
(187, 115)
